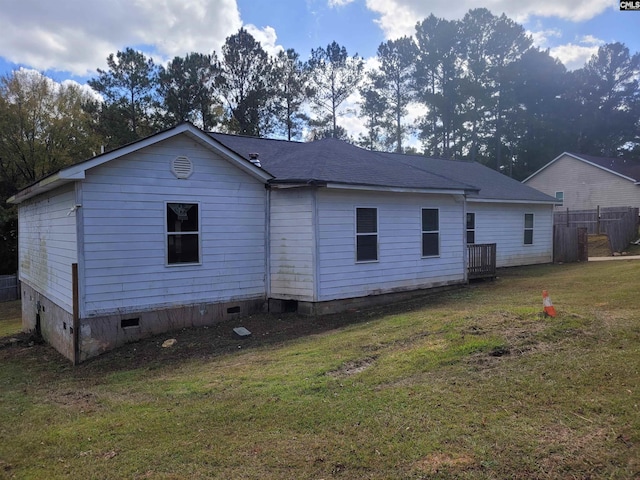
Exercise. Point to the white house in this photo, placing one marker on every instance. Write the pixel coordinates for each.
(584, 182)
(186, 228)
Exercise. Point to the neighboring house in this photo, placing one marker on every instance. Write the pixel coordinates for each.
(186, 228)
(584, 182)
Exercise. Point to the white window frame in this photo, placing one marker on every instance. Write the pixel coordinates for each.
(375, 234)
(528, 229)
(472, 229)
(560, 198)
(430, 232)
(167, 234)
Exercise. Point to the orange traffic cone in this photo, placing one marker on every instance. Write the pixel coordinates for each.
(548, 306)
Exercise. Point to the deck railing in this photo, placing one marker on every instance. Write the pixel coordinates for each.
(482, 260)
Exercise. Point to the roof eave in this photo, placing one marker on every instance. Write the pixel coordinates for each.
(390, 188)
(508, 200)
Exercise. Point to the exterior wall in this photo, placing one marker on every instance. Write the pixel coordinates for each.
(585, 186)
(53, 322)
(400, 265)
(124, 266)
(103, 333)
(503, 224)
(48, 245)
(292, 244)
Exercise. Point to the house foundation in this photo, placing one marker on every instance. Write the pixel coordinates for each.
(100, 334)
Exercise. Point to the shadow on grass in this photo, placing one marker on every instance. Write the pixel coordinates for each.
(267, 329)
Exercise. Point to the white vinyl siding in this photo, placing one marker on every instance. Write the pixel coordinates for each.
(503, 224)
(400, 265)
(124, 211)
(48, 246)
(585, 186)
(292, 244)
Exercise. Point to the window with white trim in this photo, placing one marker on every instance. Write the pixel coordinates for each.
(471, 227)
(183, 233)
(366, 234)
(559, 199)
(430, 232)
(528, 228)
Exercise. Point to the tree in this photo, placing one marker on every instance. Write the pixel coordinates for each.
(394, 82)
(540, 128)
(128, 88)
(245, 85)
(437, 80)
(606, 97)
(43, 127)
(334, 76)
(491, 45)
(188, 89)
(291, 89)
(373, 107)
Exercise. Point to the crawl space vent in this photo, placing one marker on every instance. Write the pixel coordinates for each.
(181, 167)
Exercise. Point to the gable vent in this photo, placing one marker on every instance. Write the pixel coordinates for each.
(181, 167)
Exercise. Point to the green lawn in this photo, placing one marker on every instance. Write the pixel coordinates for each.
(470, 384)
(10, 321)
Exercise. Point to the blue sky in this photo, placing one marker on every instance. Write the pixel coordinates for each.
(71, 38)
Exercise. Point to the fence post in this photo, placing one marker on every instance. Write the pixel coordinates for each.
(567, 216)
(598, 220)
(75, 313)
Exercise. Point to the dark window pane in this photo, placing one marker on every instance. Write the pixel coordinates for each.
(528, 237)
(367, 248)
(528, 220)
(471, 236)
(367, 220)
(471, 221)
(183, 248)
(182, 217)
(429, 220)
(430, 244)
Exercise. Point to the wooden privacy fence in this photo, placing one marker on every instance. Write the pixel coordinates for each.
(482, 260)
(620, 224)
(9, 289)
(570, 244)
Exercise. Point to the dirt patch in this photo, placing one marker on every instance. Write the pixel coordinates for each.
(434, 463)
(352, 367)
(599, 246)
(206, 342)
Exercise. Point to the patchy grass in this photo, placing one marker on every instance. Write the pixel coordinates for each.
(474, 383)
(10, 318)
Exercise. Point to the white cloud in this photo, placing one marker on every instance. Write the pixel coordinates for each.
(340, 3)
(267, 38)
(573, 56)
(77, 35)
(399, 17)
(542, 38)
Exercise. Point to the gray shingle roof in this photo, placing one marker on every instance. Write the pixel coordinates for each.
(493, 185)
(336, 161)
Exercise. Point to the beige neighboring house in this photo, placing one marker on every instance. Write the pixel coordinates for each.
(582, 182)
